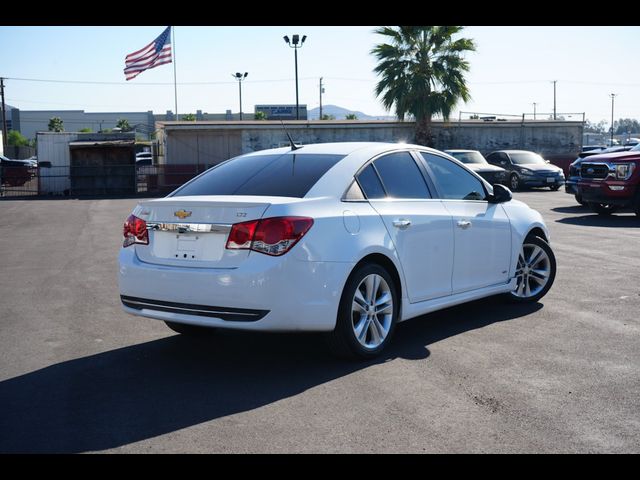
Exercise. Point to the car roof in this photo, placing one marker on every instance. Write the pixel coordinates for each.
(458, 150)
(338, 148)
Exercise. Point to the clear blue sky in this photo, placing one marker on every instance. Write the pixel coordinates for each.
(512, 68)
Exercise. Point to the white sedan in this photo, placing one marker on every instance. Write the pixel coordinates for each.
(342, 238)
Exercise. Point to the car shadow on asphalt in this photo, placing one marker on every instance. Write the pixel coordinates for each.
(130, 394)
(595, 220)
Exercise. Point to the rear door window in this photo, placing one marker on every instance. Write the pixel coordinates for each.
(401, 176)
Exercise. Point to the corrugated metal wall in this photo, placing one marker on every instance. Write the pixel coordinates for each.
(202, 147)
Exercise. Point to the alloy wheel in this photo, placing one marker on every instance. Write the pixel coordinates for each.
(372, 311)
(533, 271)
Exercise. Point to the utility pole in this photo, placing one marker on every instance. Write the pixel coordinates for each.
(321, 92)
(613, 95)
(4, 115)
(554, 99)
(534, 110)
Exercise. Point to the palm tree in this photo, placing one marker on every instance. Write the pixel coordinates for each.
(422, 73)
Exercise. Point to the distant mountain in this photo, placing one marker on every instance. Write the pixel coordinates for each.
(340, 113)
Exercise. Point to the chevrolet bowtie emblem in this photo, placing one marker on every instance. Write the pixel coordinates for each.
(182, 214)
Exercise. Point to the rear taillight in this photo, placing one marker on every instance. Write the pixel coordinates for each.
(135, 231)
(272, 236)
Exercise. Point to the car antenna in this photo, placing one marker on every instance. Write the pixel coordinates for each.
(293, 145)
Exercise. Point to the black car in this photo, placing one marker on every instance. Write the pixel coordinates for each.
(571, 184)
(527, 169)
(476, 162)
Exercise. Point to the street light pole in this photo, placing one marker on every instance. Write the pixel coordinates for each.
(295, 39)
(554, 98)
(534, 110)
(613, 95)
(240, 77)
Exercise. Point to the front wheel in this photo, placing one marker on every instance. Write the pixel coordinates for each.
(579, 199)
(535, 272)
(367, 314)
(603, 208)
(514, 182)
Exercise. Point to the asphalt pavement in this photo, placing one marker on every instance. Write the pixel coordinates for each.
(79, 375)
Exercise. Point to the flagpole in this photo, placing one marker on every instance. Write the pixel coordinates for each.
(173, 53)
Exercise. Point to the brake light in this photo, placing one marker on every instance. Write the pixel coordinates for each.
(271, 236)
(135, 231)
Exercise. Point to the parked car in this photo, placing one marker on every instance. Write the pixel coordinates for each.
(15, 173)
(342, 238)
(527, 169)
(571, 183)
(476, 162)
(611, 181)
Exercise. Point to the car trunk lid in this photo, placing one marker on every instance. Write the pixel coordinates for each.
(193, 231)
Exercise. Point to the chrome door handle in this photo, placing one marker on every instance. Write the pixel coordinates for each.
(464, 224)
(402, 223)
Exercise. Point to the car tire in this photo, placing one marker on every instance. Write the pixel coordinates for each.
(190, 330)
(604, 209)
(514, 182)
(531, 287)
(363, 331)
(555, 188)
(636, 204)
(578, 198)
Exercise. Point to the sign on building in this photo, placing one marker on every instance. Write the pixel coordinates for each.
(282, 112)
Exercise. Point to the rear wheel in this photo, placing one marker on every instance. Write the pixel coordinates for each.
(367, 314)
(190, 330)
(535, 272)
(603, 208)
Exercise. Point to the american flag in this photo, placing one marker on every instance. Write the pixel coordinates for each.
(156, 53)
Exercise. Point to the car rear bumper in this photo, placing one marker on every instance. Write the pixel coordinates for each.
(264, 293)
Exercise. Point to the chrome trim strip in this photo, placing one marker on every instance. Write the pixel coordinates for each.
(189, 227)
(193, 309)
(223, 313)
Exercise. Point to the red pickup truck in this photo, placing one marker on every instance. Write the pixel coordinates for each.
(611, 181)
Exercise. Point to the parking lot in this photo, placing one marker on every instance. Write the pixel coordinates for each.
(79, 375)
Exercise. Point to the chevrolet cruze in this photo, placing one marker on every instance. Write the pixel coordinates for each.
(348, 239)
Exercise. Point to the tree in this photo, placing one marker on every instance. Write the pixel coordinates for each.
(350, 116)
(260, 115)
(189, 117)
(421, 73)
(56, 124)
(327, 116)
(591, 127)
(85, 130)
(625, 125)
(16, 139)
(123, 125)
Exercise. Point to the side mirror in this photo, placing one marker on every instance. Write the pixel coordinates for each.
(548, 161)
(501, 194)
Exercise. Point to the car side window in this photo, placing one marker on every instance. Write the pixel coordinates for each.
(401, 176)
(453, 181)
(370, 183)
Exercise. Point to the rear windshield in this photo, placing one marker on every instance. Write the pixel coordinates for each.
(287, 175)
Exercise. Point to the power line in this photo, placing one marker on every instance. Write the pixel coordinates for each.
(93, 82)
